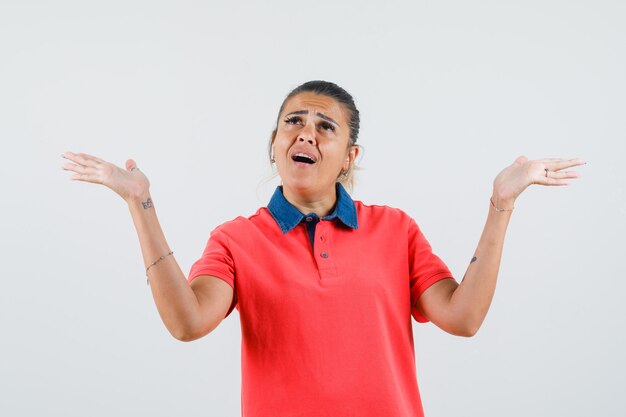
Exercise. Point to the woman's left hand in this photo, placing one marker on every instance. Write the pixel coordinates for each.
(515, 178)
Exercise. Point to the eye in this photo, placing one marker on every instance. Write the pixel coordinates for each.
(327, 126)
(293, 120)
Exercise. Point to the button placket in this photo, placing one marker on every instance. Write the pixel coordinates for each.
(325, 262)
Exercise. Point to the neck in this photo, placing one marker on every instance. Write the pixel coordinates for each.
(319, 204)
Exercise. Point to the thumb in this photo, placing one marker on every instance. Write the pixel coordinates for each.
(130, 164)
(520, 160)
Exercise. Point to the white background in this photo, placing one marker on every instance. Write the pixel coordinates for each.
(450, 93)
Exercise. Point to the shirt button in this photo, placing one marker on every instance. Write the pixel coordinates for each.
(309, 219)
(324, 255)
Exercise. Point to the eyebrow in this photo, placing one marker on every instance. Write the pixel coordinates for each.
(320, 115)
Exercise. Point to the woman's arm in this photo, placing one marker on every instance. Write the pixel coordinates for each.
(187, 311)
(177, 302)
(460, 309)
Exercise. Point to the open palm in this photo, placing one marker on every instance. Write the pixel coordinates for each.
(515, 178)
(128, 183)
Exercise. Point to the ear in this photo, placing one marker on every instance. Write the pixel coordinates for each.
(351, 156)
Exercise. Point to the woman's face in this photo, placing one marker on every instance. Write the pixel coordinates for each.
(311, 144)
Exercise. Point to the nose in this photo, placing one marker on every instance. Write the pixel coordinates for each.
(307, 135)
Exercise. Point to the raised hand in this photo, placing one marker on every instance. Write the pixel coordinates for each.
(514, 179)
(129, 183)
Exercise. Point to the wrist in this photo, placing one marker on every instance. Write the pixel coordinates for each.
(140, 198)
(501, 203)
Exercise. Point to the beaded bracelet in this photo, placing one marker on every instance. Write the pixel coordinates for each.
(154, 263)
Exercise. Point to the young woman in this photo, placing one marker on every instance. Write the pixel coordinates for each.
(325, 286)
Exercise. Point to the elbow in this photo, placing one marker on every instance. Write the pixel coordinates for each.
(468, 323)
(190, 334)
(185, 338)
(464, 328)
(184, 334)
(468, 332)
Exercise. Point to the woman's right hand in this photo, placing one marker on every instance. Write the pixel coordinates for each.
(130, 184)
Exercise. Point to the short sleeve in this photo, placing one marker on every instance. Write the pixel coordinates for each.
(217, 261)
(425, 268)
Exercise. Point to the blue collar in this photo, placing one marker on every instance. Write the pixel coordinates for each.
(288, 217)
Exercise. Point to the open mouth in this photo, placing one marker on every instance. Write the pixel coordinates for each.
(302, 157)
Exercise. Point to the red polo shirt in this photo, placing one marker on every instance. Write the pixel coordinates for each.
(326, 328)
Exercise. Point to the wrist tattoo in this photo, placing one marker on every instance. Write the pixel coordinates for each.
(147, 204)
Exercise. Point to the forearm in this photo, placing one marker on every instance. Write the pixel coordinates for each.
(461, 308)
(175, 300)
(470, 301)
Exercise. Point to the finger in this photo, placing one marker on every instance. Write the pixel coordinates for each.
(559, 159)
(551, 181)
(563, 174)
(77, 168)
(550, 159)
(131, 165)
(81, 158)
(564, 163)
(95, 158)
(84, 155)
(85, 177)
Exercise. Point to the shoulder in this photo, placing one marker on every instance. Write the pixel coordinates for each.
(381, 213)
(379, 218)
(261, 219)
